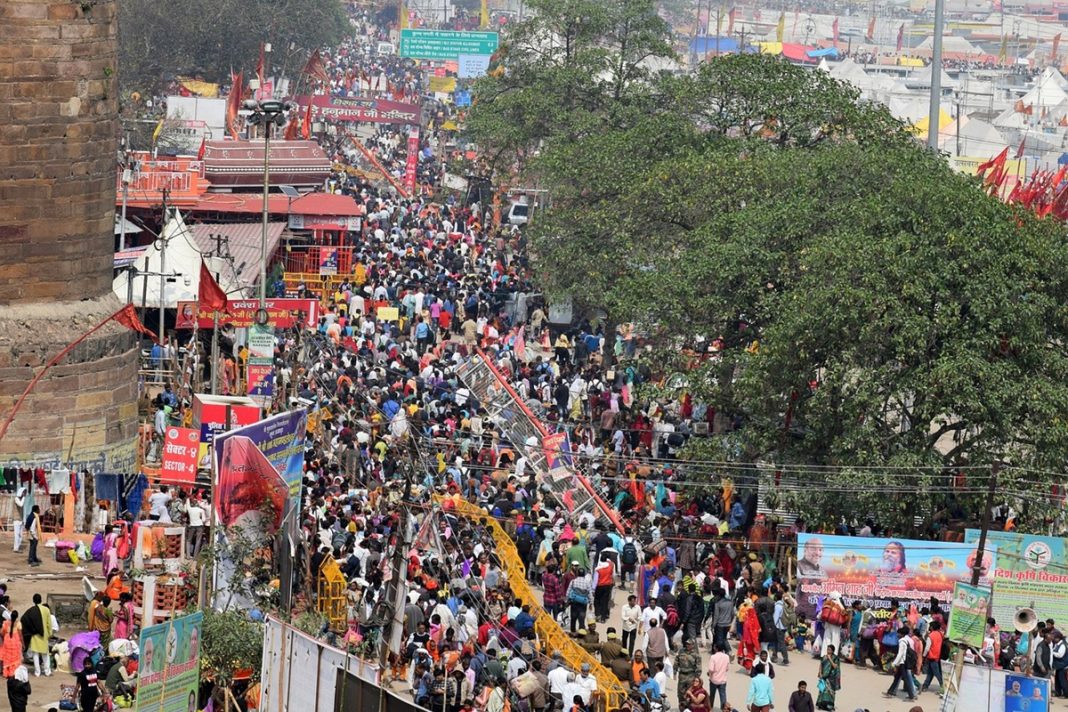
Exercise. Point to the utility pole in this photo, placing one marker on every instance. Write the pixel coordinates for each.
(127, 176)
(162, 273)
(936, 74)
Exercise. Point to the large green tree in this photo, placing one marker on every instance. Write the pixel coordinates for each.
(211, 37)
(875, 309)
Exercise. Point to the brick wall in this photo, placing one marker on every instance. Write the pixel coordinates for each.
(58, 110)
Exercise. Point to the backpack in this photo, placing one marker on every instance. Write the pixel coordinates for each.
(630, 553)
(910, 657)
(524, 542)
(943, 654)
(789, 617)
(672, 618)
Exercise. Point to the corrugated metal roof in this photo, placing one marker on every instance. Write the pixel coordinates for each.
(243, 240)
(331, 204)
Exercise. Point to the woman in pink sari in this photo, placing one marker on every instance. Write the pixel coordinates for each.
(111, 550)
(124, 617)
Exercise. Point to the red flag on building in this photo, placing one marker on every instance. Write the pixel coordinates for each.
(200, 152)
(315, 68)
(127, 316)
(292, 128)
(834, 32)
(210, 295)
(233, 102)
(305, 125)
(1020, 150)
(1056, 46)
(730, 20)
(901, 37)
(871, 29)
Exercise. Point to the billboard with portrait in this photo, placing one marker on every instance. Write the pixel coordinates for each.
(877, 571)
(168, 673)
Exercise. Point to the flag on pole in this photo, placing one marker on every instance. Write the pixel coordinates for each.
(1056, 46)
(1022, 148)
(730, 20)
(901, 37)
(484, 19)
(315, 68)
(871, 30)
(233, 102)
(1003, 53)
(200, 153)
(780, 29)
(157, 131)
(998, 160)
(793, 28)
(210, 295)
(403, 16)
(127, 316)
(292, 128)
(305, 126)
(834, 32)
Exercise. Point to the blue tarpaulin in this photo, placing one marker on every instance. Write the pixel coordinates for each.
(722, 44)
(1063, 159)
(829, 52)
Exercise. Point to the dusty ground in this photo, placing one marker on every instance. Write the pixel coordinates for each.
(50, 577)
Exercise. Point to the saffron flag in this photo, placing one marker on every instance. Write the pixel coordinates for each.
(484, 19)
(871, 30)
(233, 102)
(305, 126)
(158, 130)
(780, 29)
(901, 37)
(200, 152)
(1056, 46)
(315, 68)
(260, 67)
(998, 160)
(403, 16)
(1003, 53)
(127, 316)
(730, 20)
(210, 295)
(834, 32)
(1020, 150)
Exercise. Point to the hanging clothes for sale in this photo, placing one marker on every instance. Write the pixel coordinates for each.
(59, 481)
(133, 493)
(108, 486)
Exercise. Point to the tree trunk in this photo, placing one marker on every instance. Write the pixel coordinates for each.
(609, 340)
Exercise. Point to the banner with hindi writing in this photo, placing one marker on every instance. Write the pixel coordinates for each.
(168, 673)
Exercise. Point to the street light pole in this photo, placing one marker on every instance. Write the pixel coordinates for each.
(936, 74)
(263, 234)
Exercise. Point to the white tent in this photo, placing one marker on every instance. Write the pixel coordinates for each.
(180, 265)
(951, 44)
(921, 79)
(1048, 91)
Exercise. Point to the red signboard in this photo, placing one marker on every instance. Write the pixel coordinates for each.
(242, 313)
(412, 166)
(354, 108)
(181, 450)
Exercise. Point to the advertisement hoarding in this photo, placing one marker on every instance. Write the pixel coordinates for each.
(968, 614)
(446, 44)
(1030, 573)
(241, 313)
(281, 439)
(877, 570)
(168, 673)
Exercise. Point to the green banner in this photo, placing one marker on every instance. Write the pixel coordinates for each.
(446, 44)
(169, 669)
(967, 615)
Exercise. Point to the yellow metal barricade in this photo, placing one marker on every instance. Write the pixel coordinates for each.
(332, 595)
(549, 632)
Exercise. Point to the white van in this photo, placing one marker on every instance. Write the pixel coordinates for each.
(519, 213)
(385, 48)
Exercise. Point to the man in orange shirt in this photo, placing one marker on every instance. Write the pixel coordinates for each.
(932, 656)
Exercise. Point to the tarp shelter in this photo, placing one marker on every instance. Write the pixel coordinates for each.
(181, 267)
(920, 128)
(1063, 160)
(131, 229)
(826, 52)
(713, 44)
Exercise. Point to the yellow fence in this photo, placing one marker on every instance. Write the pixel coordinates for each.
(332, 595)
(552, 637)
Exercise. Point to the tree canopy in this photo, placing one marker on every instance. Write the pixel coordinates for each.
(874, 308)
(209, 37)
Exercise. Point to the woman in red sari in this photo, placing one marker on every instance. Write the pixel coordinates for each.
(749, 645)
